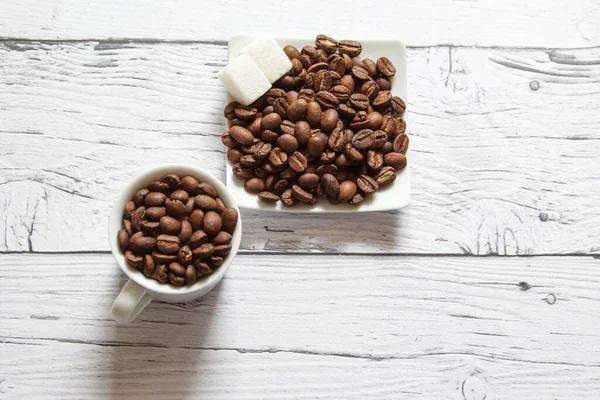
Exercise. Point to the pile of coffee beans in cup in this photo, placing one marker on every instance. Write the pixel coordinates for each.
(177, 230)
(329, 127)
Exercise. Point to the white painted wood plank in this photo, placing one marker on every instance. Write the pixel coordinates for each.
(52, 369)
(429, 22)
(498, 167)
(540, 310)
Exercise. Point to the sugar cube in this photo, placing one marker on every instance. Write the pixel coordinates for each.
(244, 79)
(269, 56)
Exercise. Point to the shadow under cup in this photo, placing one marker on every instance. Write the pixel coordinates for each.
(140, 290)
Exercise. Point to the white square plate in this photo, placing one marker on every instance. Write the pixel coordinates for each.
(393, 197)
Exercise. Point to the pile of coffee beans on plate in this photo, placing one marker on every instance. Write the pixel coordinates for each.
(329, 127)
(177, 230)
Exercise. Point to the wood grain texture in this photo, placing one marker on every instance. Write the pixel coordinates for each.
(424, 23)
(294, 326)
(503, 148)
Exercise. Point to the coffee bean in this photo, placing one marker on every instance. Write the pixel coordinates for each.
(337, 140)
(400, 126)
(395, 160)
(359, 101)
(190, 184)
(305, 60)
(342, 161)
(221, 250)
(278, 157)
(316, 143)
(286, 82)
(327, 157)
(329, 45)
(329, 120)
(398, 105)
(136, 218)
(190, 275)
(220, 205)
(322, 81)
(150, 228)
(149, 266)
(229, 110)
(242, 172)
(134, 260)
(313, 113)
(123, 240)
(253, 185)
(383, 99)
(313, 69)
(205, 202)
(297, 161)
(234, 155)
(346, 112)
(302, 131)
(386, 176)
(288, 199)
(280, 106)
(274, 94)
(350, 47)
(360, 73)
(270, 121)
(370, 89)
(306, 94)
(401, 143)
(360, 121)
(380, 139)
(229, 218)
(352, 153)
(347, 190)
(330, 184)
(341, 92)
(326, 100)
(175, 208)
(348, 81)
(287, 126)
(161, 273)
(296, 67)
(170, 225)
(168, 244)
(222, 238)
(338, 65)
(203, 251)
(249, 160)
(201, 267)
(326, 169)
(388, 125)
(367, 184)
(363, 139)
(155, 199)
(291, 51)
(158, 187)
(385, 67)
(184, 255)
(142, 245)
(160, 258)
(287, 143)
(370, 67)
(180, 195)
(215, 262)
(255, 127)
(281, 186)
(177, 268)
(301, 194)
(268, 136)
(207, 189)
(356, 199)
(246, 113)
(319, 56)
(198, 238)
(127, 227)
(186, 231)
(308, 181)
(139, 197)
(297, 110)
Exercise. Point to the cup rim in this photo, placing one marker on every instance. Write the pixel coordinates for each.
(116, 220)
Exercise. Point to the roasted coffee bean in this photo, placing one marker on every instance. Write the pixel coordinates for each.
(386, 176)
(270, 121)
(329, 45)
(136, 236)
(161, 258)
(356, 199)
(329, 120)
(302, 132)
(360, 73)
(309, 81)
(198, 238)
(255, 127)
(287, 126)
(347, 190)
(370, 89)
(268, 197)
(169, 225)
(136, 218)
(338, 65)
(220, 205)
(222, 238)
(296, 67)
(205, 202)
(326, 100)
(139, 197)
(322, 81)
(175, 208)
(281, 186)
(176, 280)
(254, 185)
(375, 120)
(161, 273)
(400, 127)
(287, 143)
(190, 184)
(280, 106)
(337, 140)
(330, 184)
(158, 187)
(229, 110)
(186, 231)
(346, 112)
(215, 262)
(180, 195)
(249, 160)
(395, 160)
(155, 199)
(383, 83)
(238, 122)
(260, 172)
(380, 139)
(201, 267)
(142, 245)
(221, 250)
(268, 136)
(313, 113)
(288, 199)
(317, 143)
(196, 219)
(327, 157)
(127, 227)
(383, 99)
(348, 81)
(306, 94)
(308, 181)
(301, 194)
(246, 113)
(367, 184)
(291, 51)
(133, 259)
(319, 56)
(347, 61)
(398, 105)
(401, 143)
(388, 125)
(207, 189)
(297, 161)
(326, 169)
(229, 219)
(260, 151)
(286, 82)
(274, 94)
(300, 79)
(151, 228)
(360, 121)
(177, 268)
(241, 172)
(190, 275)
(305, 60)
(203, 251)
(352, 153)
(341, 161)
(123, 240)
(128, 210)
(387, 148)
(341, 92)
(364, 139)
(359, 101)
(278, 157)
(234, 155)
(370, 66)
(184, 255)
(385, 67)
(241, 135)
(316, 67)
(270, 182)
(168, 244)
(149, 266)
(350, 47)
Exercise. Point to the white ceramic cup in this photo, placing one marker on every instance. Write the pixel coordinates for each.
(140, 291)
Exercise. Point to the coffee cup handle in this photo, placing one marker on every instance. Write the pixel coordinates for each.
(130, 302)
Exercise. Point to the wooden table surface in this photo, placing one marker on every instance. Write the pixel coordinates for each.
(486, 287)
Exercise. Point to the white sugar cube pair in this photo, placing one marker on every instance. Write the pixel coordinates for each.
(250, 75)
